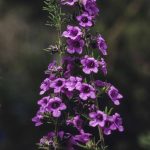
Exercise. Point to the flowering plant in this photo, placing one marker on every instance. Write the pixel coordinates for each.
(72, 107)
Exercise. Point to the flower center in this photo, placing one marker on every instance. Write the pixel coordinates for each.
(76, 44)
(74, 32)
(55, 105)
(86, 89)
(59, 83)
(99, 117)
(45, 101)
(84, 19)
(107, 124)
(91, 64)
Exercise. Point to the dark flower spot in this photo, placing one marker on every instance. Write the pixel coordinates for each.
(59, 83)
(45, 101)
(99, 117)
(86, 89)
(107, 123)
(55, 105)
(91, 64)
(76, 44)
(84, 19)
(74, 32)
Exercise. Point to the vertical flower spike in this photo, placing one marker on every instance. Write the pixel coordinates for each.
(73, 90)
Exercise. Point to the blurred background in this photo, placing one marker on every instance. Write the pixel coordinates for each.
(126, 28)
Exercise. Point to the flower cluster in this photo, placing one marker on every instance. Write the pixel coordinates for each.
(106, 122)
(74, 89)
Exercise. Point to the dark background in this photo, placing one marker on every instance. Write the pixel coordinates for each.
(126, 27)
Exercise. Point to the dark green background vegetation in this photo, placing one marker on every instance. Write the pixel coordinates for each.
(125, 25)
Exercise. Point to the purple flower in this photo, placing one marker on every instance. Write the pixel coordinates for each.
(102, 45)
(85, 20)
(114, 95)
(69, 2)
(38, 118)
(100, 83)
(86, 91)
(53, 68)
(91, 8)
(43, 102)
(103, 66)
(73, 32)
(82, 137)
(55, 106)
(84, 2)
(72, 82)
(58, 84)
(89, 65)
(75, 46)
(45, 86)
(98, 118)
(109, 125)
(76, 122)
(118, 122)
(48, 139)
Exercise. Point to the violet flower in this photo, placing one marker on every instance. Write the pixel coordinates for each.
(98, 118)
(91, 8)
(48, 139)
(72, 82)
(73, 32)
(89, 65)
(100, 83)
(85, 20)
(55, 106)
(43, 102)
(58, 84)
(109, 125)
(75, 46)
(45, 86)
(102, 45)
(114, 95)
(38, 118)
(84, 2)
(86, 91)
(53, 68)
(103, 66)
(118, 122)
(82, 137)
(76, 122)
(68, 2)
